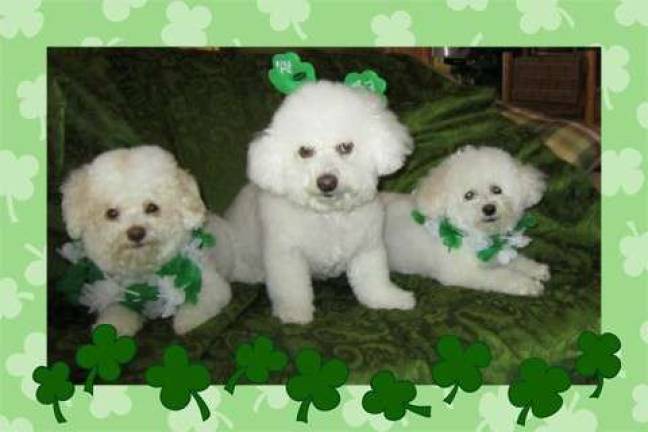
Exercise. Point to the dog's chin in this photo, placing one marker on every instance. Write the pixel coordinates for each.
(493, 225)
(137, 258)
(334, 201)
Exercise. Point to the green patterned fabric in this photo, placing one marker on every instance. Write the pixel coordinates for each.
(206, 106)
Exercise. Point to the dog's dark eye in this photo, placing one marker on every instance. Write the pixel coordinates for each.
(469, 195)
(112, 214)
(151, 208)
(306, 152)
(344, 148)
(496, 189)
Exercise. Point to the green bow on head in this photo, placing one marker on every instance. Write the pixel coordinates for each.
(289, 73)
(368, 79)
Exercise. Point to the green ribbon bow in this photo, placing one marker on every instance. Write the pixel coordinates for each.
(368, 79)
(497, 244)
(185, 272)
(288, 72)
(452, 237)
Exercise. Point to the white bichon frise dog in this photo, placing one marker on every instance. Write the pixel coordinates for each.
(465, 221)
(136, 219)
(312, 208)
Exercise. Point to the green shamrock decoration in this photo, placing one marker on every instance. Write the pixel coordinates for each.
(418, 217)
(316, 382)
(392, 397)
(105, 355)
(598, 358)
(538, 388)
(288, 72)
(368, 79)
(55, 387)
(458, 367)
(179, 380)
(451, 236)
(256, 361)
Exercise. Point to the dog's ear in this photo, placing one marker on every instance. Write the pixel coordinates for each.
(532, 184)
(430, 194)
(390, 139)
(264, 162)
(192, 206)
(76, 202)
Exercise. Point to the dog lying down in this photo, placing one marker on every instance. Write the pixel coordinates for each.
(465, 221)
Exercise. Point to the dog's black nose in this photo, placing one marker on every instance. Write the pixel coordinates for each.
(327, 182)
(489, 209)
(136, 233)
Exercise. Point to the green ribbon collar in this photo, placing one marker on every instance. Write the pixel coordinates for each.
(186, 274)
(453, 237)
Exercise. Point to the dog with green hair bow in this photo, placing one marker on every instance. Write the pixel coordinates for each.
(138, 249)
(465, 222)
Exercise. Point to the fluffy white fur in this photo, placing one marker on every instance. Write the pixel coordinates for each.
(285, 230)
(128, 180)
(413, 249)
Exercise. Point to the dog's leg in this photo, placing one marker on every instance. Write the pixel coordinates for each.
(213, 297)
(125, 321)
(531, 268)
(498, 279)
(369, 279)
(289, 286)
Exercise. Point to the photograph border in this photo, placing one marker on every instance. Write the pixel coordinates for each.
(28, 28)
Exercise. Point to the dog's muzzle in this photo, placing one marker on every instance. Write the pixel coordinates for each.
(327, 183)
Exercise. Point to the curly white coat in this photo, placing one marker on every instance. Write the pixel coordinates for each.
(284, 230)
(494, 178)
(128, 180)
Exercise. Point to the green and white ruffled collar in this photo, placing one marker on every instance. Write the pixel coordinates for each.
(502, 247)
(159, 296)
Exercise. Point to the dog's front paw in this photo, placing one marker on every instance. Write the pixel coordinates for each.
(391, 298)
(527, 287)
(187, 318)
(541, 272)
(294, 314)
(125, 321)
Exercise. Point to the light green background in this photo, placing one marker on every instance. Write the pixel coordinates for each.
(27, 27)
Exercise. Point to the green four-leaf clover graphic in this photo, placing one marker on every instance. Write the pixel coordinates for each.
(179, 380)
(598, 358)
(458, 367)
(316, 382)
(256, 361)
(288, 72)
(105, 355)
(55, 387)
(392, 397)
(538, 389)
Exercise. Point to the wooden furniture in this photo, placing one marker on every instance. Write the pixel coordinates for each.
(560, 84)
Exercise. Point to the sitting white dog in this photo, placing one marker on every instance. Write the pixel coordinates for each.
(312, 208)
(465, 221)
(139, 251)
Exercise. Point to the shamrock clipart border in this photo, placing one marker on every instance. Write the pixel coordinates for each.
(316, 381)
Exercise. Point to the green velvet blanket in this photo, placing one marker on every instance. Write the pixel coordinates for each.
(205, 107)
